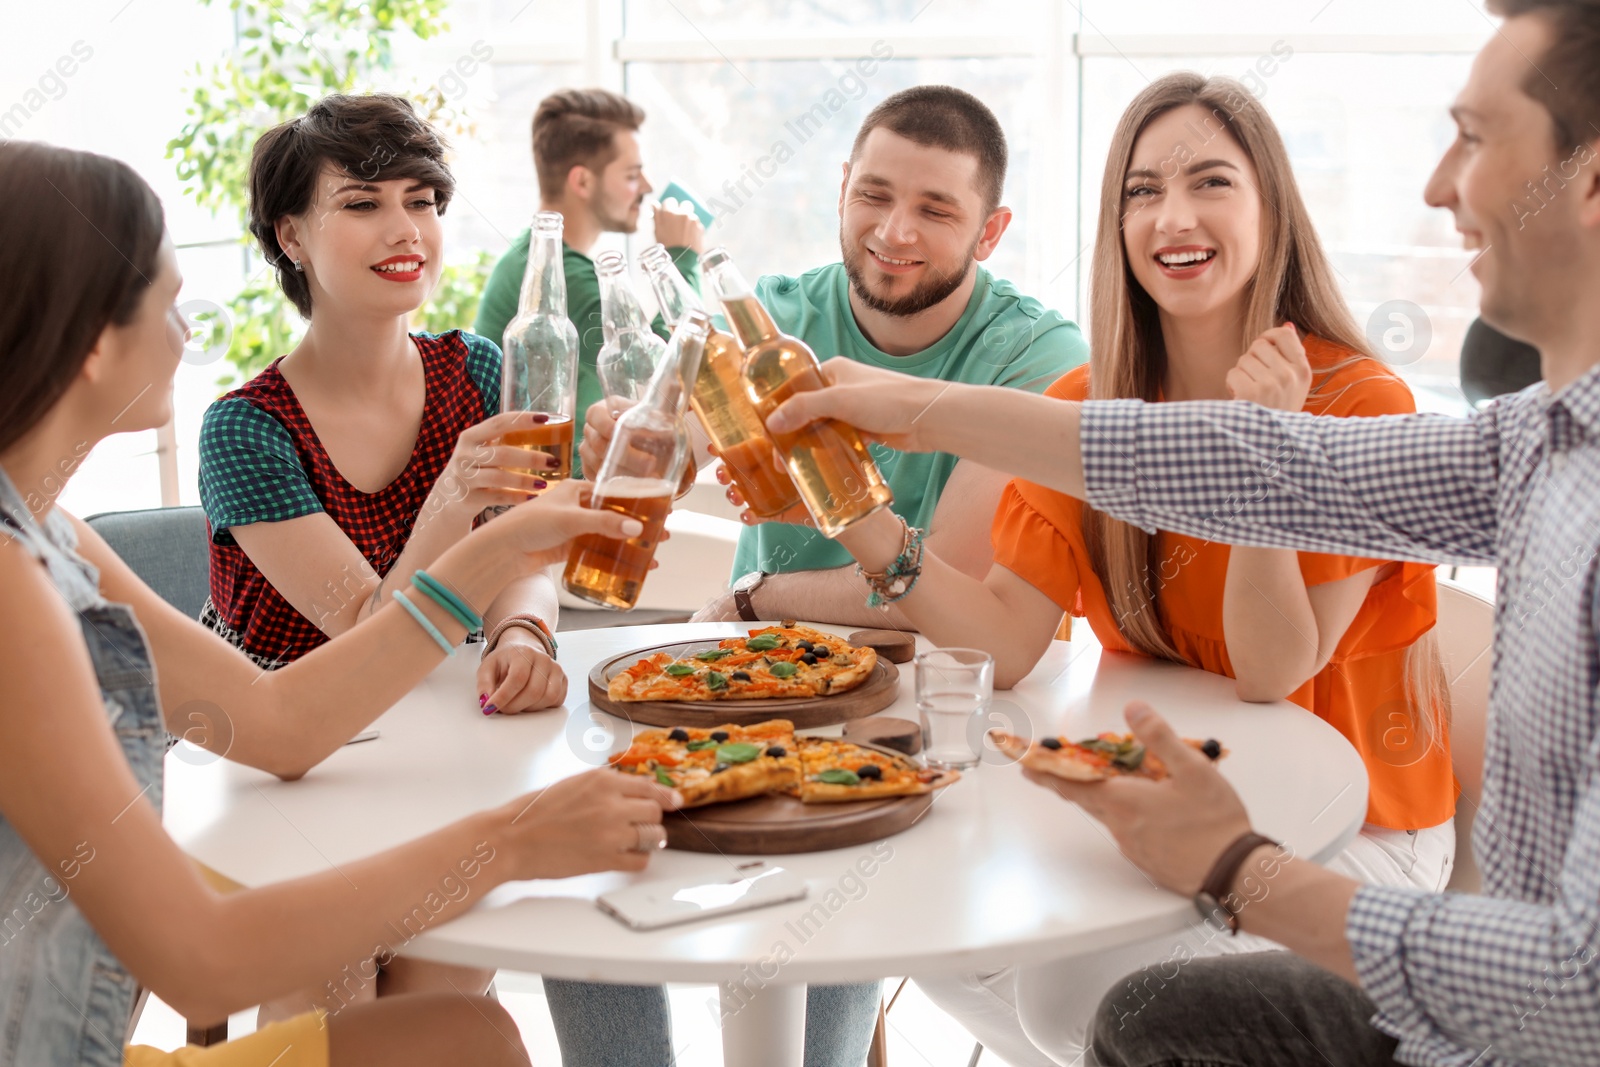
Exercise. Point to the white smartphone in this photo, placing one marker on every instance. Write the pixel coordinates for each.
(668, 901)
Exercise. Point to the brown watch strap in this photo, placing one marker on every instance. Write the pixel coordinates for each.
(742, 601)
(1219, 883)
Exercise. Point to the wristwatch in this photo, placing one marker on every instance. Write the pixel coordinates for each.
(1216, 892)
(743, 589)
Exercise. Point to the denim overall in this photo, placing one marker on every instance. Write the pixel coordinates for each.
(64, 998)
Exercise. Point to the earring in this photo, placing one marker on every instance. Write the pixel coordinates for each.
(297, 266)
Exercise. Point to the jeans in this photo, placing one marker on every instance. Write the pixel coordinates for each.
(1236, 1011)
(599, 1024)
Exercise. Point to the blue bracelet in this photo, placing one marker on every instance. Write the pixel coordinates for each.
(440, 594)
(424, 622)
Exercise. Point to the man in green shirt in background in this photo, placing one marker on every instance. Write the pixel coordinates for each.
(919, 211)
(586, 155)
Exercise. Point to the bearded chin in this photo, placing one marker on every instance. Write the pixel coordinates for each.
(924, 296)
(618, 220)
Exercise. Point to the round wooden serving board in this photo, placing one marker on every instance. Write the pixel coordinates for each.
(775, 825)
(807, 713)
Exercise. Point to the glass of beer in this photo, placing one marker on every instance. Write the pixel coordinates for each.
(539, 370)
(639, 476)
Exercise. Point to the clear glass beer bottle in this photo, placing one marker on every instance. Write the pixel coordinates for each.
(631, 353)
(640, 472)
(539, 366)
(719, 400)
(827, 459)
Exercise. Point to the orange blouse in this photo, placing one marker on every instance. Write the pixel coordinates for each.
(1038, 534)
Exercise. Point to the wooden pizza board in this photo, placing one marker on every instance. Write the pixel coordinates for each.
(807, 713)
(775, 825)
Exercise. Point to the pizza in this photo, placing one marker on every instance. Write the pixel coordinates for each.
(769, 663)
(833, 771)
(728, 763)
(710, 766)
(1110, 755)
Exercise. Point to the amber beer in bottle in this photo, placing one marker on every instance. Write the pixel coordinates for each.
(719, 400)
(539, 368)
(637, 478)
(827, 460)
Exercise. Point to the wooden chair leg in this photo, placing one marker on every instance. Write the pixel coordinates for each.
(206, 1036)
(878, 1052)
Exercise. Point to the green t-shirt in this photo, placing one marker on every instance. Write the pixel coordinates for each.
(498, 307)
(1003, 338)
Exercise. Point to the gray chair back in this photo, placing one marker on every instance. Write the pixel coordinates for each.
(166, 547)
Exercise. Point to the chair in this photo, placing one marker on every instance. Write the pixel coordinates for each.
(168, 548)
(1466, 635)
(1492, 364)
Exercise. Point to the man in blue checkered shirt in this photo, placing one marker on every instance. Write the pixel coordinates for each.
(1377, 975)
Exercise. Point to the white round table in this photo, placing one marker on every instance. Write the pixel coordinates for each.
(998, 872)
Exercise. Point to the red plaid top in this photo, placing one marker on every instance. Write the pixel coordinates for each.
(261, 461)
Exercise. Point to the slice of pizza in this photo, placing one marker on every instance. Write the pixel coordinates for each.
(832, 770)
(716, 765)
(769, 663)
(1110, 755)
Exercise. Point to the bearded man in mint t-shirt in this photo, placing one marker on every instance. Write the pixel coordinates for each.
(919, 210)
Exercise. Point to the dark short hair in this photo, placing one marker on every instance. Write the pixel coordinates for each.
(1566, 79)
(578, 127)
(942, 116)
(83, 235)
(376, 137)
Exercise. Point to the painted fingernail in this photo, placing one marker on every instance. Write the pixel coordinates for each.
(540, 483)
(490, 710)
(632, 527)
(483, 698)
(538, 416)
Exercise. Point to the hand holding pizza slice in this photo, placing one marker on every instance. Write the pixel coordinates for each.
(1110, 755)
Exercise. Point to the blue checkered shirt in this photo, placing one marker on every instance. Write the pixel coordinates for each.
(1509, 977)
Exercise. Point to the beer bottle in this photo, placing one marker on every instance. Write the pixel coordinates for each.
(830, 465)
(638, 476)
(719, 400)
(631, 352)
(539, 366)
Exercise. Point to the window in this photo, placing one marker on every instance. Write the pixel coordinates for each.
(753, 105)
(760, 142)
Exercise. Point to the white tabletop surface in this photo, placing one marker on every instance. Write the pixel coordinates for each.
(998, 872)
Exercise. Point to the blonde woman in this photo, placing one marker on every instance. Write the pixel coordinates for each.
(1209, 283)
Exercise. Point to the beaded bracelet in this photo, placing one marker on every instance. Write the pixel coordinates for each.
(424, 622)
(442, 595)
(900, 576)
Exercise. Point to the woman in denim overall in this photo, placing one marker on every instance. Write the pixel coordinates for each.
(95, 898)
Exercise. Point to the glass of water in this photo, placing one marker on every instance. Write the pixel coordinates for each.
(954, 687)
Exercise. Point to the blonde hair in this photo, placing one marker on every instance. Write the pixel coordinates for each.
(1293, 282)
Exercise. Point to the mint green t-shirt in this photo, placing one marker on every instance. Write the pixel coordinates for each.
(498, 306)
(1003, 338)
